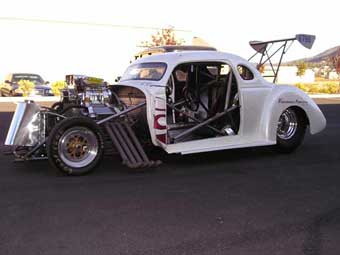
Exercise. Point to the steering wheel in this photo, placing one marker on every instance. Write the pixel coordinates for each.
(191, 98)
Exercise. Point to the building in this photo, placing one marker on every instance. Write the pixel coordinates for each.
(288, 75)
(332, 75)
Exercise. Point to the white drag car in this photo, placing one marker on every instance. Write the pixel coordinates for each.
(183, 102)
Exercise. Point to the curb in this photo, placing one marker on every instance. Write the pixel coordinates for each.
(56, 98)
(22, 99)
(324, 95)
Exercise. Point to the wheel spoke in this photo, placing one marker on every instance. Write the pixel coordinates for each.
(287, 124)
(78, 147)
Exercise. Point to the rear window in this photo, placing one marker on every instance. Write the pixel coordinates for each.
(245, 73)
(145, 71)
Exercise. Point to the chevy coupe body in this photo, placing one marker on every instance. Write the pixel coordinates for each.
(183, 102)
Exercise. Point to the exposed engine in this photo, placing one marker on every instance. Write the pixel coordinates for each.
(83, 98)
(92, 94)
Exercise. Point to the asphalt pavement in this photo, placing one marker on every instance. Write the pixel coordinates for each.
(245, 201)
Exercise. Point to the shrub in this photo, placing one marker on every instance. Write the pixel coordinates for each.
(26, 87)
(57, 87)
(302, 66)
(303, 87)
(325, 88)
(333, 88)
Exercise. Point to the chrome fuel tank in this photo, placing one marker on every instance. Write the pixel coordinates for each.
(27, 127)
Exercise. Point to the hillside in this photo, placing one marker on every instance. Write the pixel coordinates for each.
(323, 56)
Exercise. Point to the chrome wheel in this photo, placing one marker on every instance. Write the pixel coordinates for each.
(288, 124)
(78, 147)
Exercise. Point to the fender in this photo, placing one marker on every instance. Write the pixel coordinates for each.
(283, 97)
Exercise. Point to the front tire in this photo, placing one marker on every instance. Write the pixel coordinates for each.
(75, 146)
(291, 129)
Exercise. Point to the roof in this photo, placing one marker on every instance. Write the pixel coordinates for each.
(172, 58)
(172, 48)
(24, 74)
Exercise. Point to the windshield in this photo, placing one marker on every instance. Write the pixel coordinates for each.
(36, 79)
(145, 71)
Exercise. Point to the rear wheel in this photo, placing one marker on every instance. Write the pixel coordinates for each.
(291, 129)
(75, 146)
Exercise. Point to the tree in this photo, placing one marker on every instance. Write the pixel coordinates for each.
(57, 87)
(26, 87)
(336, 64)
(261, 68)
(165, 36)
(302, 66)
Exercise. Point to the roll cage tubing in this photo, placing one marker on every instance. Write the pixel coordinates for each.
(205, 123)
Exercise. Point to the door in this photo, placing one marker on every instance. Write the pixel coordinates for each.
(253, 94)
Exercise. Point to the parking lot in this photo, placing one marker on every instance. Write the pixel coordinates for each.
(245, 201)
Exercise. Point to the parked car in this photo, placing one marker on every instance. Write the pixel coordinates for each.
(10, 86)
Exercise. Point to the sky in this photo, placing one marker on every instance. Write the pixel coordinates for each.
(100, 37)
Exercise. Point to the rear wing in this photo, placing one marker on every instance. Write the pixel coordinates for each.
(266, 53)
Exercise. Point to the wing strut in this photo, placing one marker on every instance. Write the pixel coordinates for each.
(264, 49)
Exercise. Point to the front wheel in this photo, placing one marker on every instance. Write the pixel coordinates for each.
(75, 146)
(291, 129)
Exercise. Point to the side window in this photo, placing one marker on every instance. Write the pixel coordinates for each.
(245, 73)
(181, 75)
(218, 70)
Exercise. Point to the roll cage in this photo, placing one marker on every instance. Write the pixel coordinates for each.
(201, 99)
